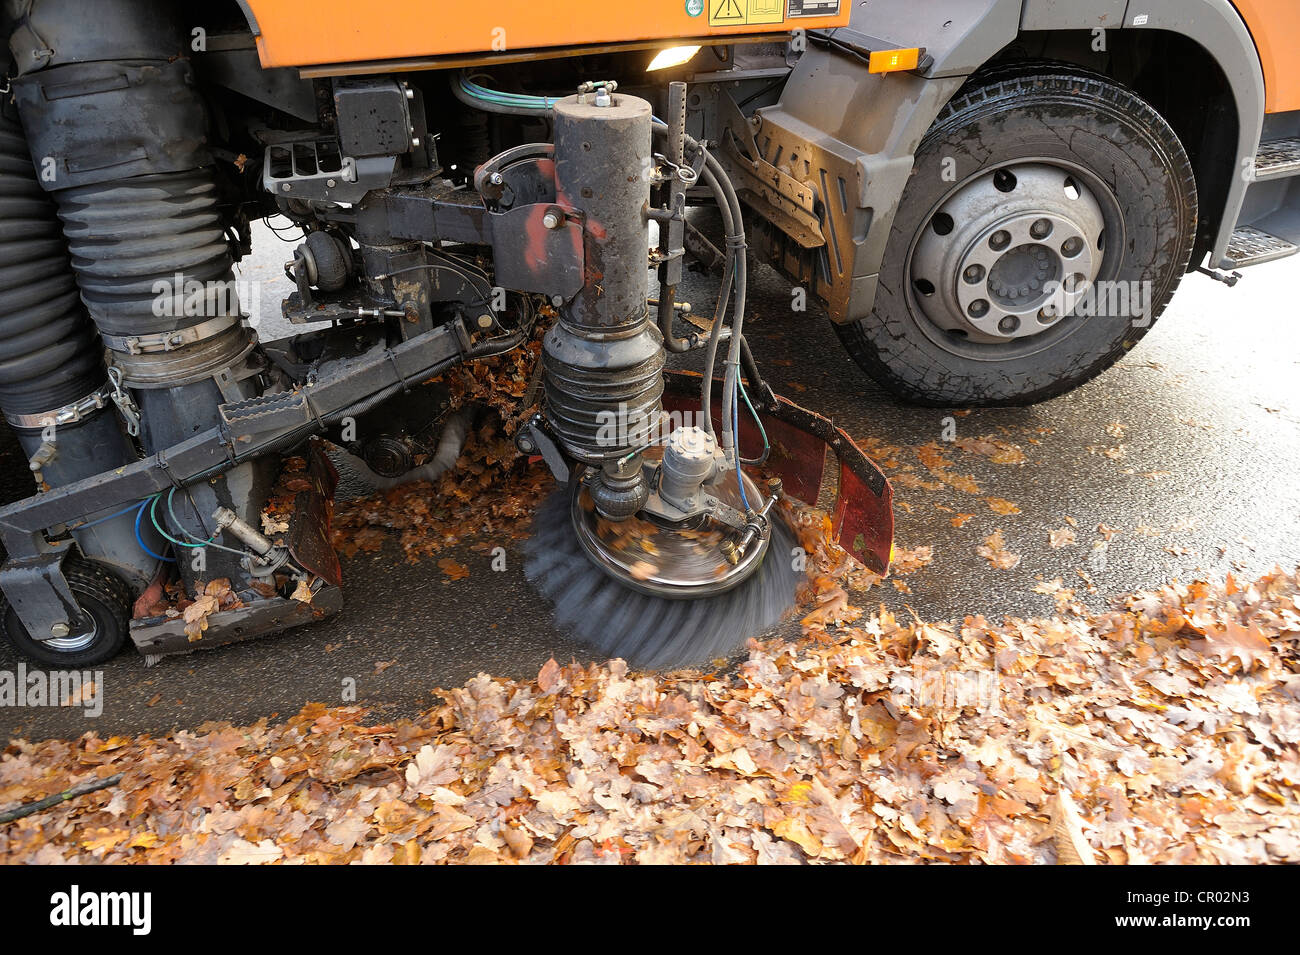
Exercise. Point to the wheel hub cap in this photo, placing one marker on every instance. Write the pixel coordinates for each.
(1008, 254)
(74, 642)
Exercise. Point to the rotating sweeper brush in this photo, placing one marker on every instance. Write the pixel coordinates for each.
(660, 549)
(658, 593)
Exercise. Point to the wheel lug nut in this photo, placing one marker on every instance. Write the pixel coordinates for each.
(1072, 246)
(1041, 228)
(973, 273)
(1008, 324)
(999, 240)
(978, 308)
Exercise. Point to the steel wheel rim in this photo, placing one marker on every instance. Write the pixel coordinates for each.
(965, 267)
(72, 643)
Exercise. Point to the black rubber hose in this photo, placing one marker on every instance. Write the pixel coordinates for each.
(130, 237)
(49, 353)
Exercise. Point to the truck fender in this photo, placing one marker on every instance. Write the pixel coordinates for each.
(851, 134)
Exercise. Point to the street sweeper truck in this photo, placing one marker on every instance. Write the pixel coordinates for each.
(960, 183)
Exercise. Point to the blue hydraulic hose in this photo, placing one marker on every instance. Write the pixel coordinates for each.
(99, 520)
(140, 540)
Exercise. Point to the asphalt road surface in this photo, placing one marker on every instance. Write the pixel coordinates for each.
(1188, 448)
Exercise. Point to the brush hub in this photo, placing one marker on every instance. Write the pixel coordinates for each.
(664, 559)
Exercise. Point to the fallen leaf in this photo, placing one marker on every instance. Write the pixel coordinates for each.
(453, 570)
(994, 550)
(1235, 642)
(1061, 538)
(1067, 828)
(548, 678)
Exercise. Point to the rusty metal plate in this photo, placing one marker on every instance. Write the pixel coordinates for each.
(163, 636)
(532, 258)
(863, 521)
(308, 539)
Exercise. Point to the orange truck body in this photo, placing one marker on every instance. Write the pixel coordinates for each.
(317, 32)
(314, 32)
(1275, 26)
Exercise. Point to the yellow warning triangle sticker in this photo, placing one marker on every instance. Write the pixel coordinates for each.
(727, 11)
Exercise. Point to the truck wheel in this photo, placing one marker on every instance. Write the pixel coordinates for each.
(105, 602)
(1048, 220)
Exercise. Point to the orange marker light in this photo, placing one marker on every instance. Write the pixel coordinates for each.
(891, 61)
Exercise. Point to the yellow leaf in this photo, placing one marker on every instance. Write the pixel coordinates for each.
(796, 830)
(798, 793)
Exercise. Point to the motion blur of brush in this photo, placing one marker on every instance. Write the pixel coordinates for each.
(646, 631)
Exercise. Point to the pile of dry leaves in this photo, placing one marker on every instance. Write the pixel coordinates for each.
(1164, 730)
(490, 492)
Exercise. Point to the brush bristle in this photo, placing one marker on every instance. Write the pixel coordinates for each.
(652, 632)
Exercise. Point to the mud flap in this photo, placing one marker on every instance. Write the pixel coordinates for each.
(308, 539)
(862, 514)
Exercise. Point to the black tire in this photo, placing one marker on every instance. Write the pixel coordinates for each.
(101, 594)
(1066, 118)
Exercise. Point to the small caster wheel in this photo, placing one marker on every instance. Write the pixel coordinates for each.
(105, 602)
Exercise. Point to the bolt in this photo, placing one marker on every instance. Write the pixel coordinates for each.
(525, 445)
(557, 300)
(974, 273)
(1041, 228)
(978, 308)
(495, 179)
(331, 183)
(60, 630)
(551, 220)
(1000, 240)
(1008, 324)
(485, 321)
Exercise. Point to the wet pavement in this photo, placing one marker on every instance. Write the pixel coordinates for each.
(1187, 449)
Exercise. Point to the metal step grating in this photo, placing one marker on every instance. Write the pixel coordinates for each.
(1250, 246)
(1278, 158)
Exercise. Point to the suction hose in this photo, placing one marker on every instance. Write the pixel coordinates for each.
(53, 386)
(137, 191)
(49, 355)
